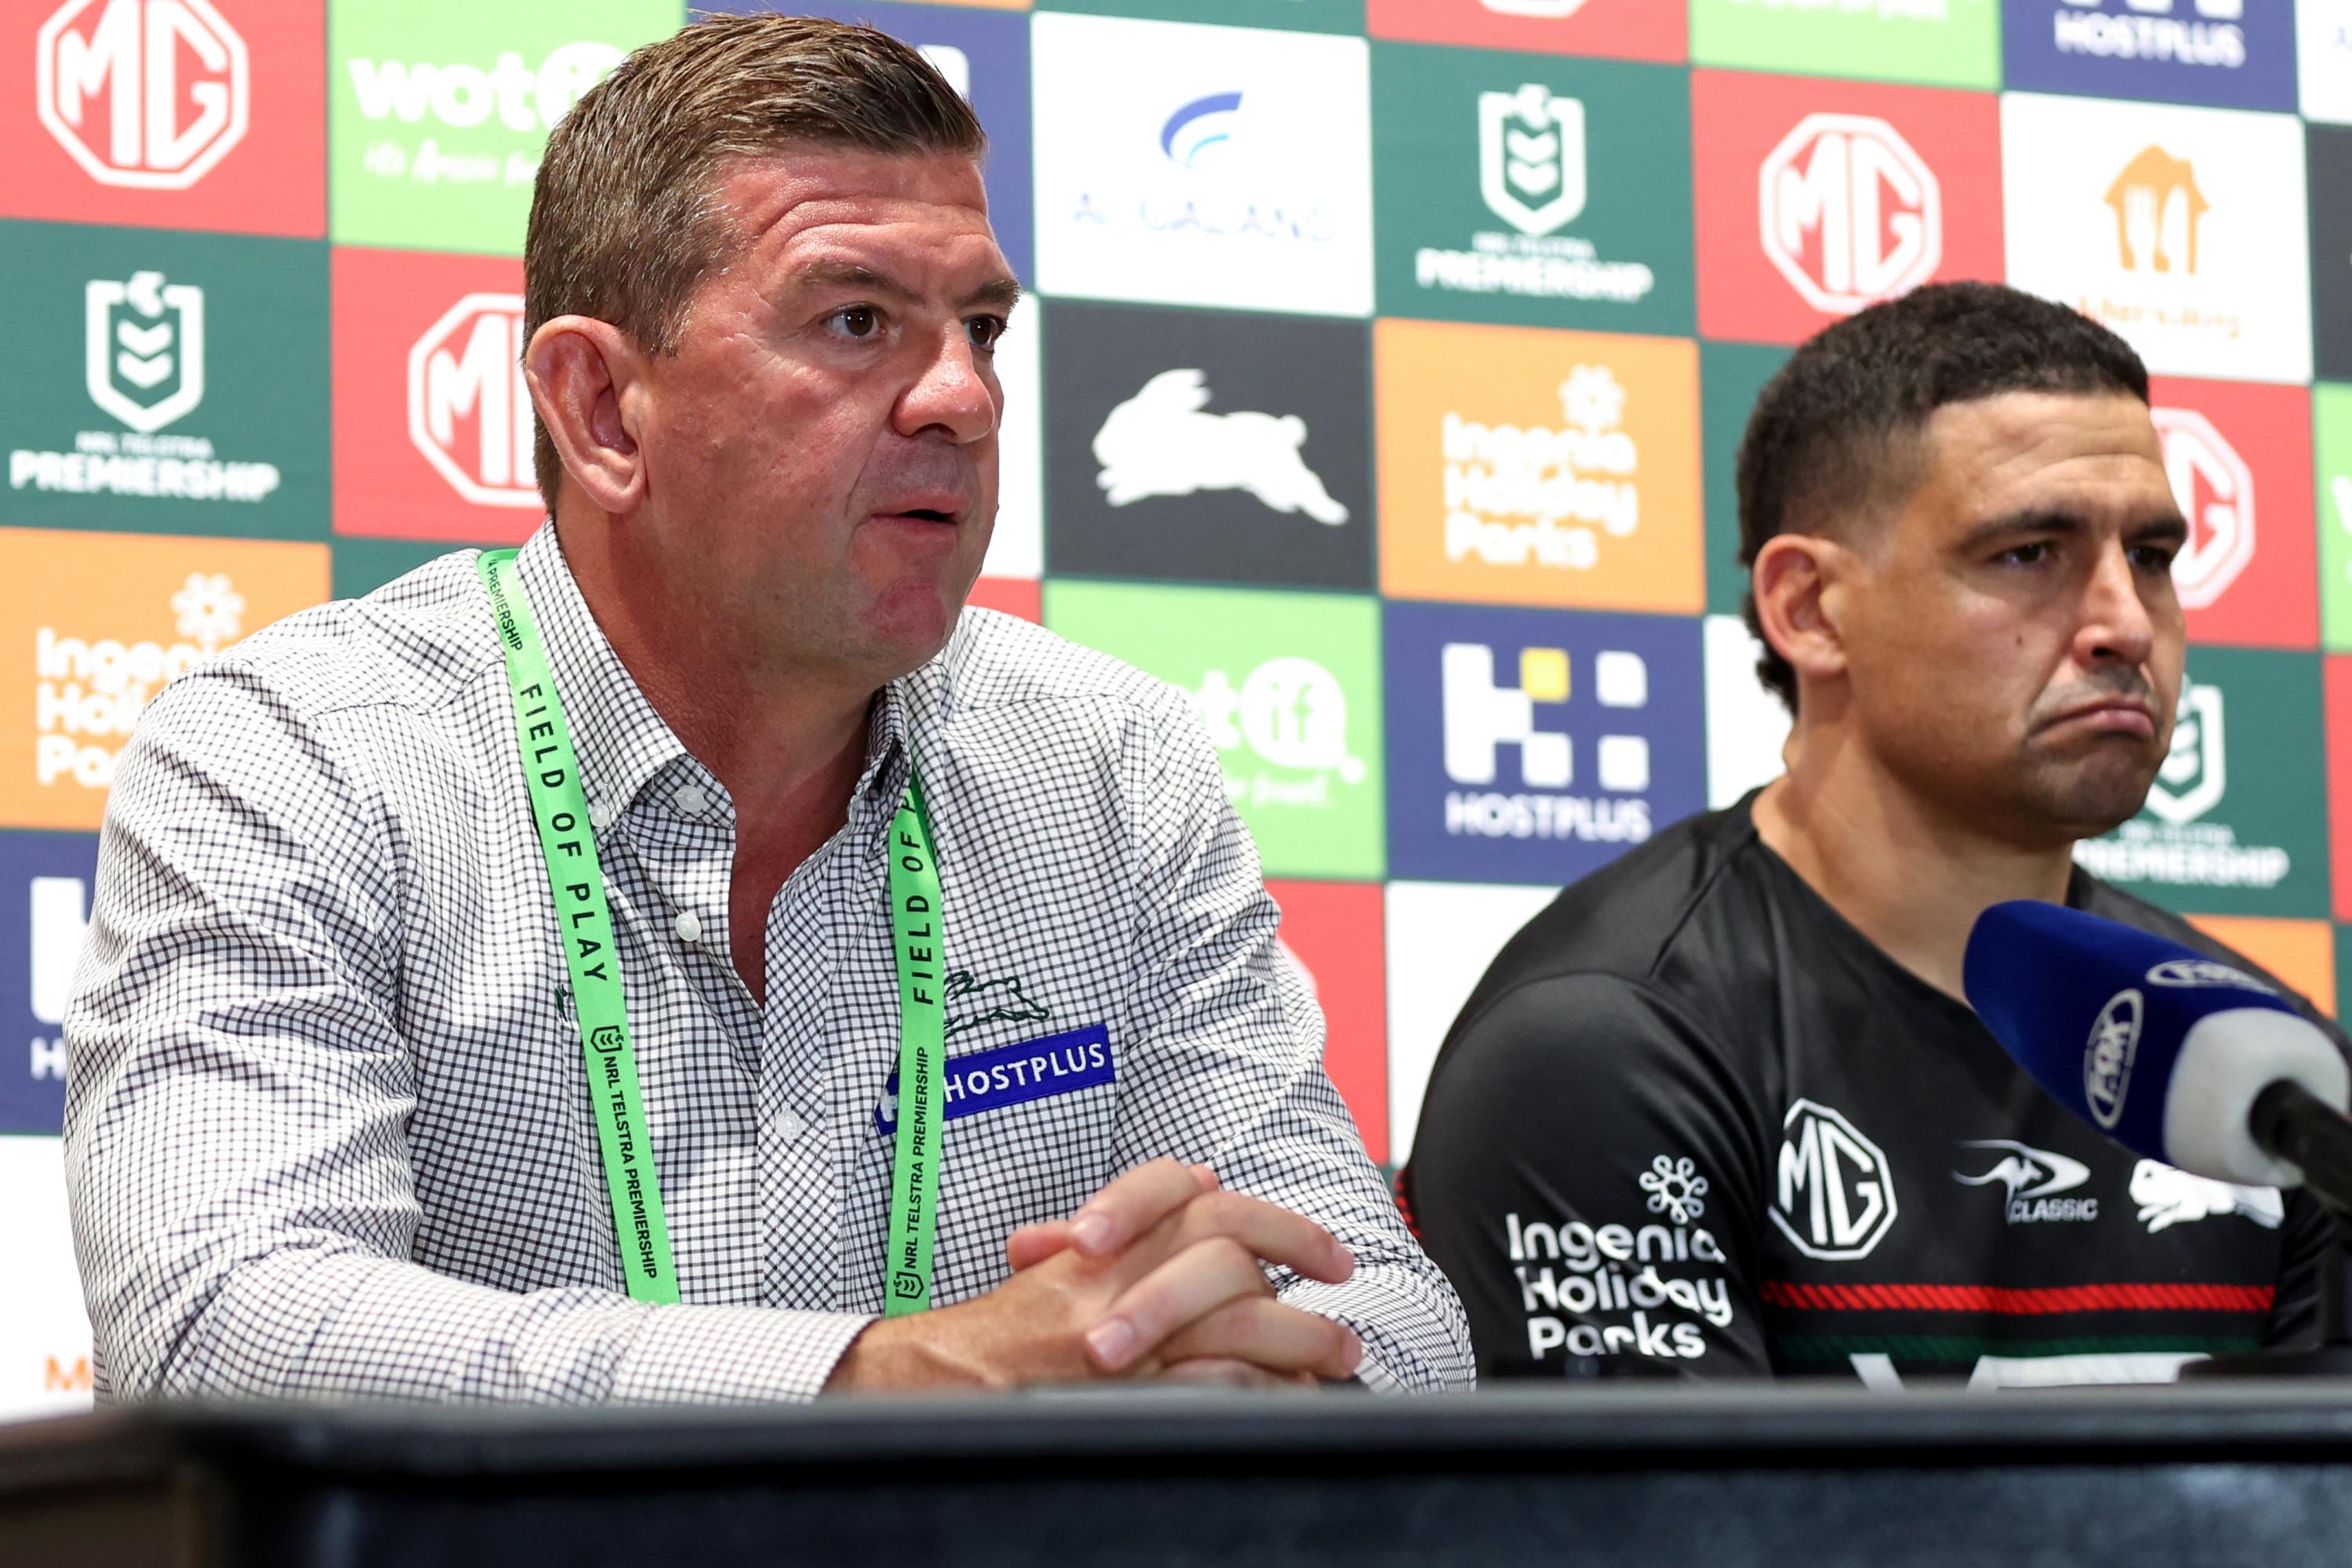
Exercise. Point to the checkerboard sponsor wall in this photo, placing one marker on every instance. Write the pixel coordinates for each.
(1380, 388)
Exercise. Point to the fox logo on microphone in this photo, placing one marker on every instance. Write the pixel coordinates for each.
(2108, 1059)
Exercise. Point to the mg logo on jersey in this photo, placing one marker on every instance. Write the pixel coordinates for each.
(1850, 214)
(160, 131)
(2196, 773)
(468, 366)
(1836, 1196)
(1531, 157)
(2216, 493)
(143, 349)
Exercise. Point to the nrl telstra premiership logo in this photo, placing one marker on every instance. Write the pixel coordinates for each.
(143, 349)
(2194, 775)
(1531, 157)
(160, 131)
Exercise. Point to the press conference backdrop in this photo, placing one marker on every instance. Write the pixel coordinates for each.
(1380, 388)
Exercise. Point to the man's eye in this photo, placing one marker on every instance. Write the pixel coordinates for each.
(986, 331)
(2153, 557)
(2025, 554)
(857, 321)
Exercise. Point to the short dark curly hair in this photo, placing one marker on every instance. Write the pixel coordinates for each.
(1834, 435)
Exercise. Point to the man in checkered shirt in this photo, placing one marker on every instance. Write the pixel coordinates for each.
(329, 1129)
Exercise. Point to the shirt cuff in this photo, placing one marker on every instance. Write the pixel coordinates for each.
(692, 1354)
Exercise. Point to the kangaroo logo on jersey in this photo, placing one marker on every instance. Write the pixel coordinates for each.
(1835, 1198)
(161, 131)
(2033, 1179)
(144, 349)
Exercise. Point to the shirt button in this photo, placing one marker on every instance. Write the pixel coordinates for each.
(789, 1126)
(689, 926)
(691, 800)
(601, 814)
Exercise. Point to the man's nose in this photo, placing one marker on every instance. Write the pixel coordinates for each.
(949, 393)
(2118, 626)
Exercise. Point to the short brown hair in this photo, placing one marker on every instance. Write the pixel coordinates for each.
(623, 220)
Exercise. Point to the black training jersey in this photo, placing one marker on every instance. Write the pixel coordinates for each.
(1693, 1121)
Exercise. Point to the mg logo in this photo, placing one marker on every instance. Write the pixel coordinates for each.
(1836, 1198)
(1481, 716)
(2215, 491)
(159, 130)
(143, 348)
(468, 366)
(2194, 775)
(1531, 157)
(1850, 214)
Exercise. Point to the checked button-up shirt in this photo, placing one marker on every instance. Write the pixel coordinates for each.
(328, 1130)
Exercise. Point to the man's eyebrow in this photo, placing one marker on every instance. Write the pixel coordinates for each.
(1002, 292)
(2161, 526)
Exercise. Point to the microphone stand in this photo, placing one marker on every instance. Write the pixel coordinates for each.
(2295, 1125)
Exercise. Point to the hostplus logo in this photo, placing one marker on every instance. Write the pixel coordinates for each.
(1531, 174)
(160, 130)
(2215, 491)
(1850, 214)
(2030, 1181)
(2182, 32)
(88, 692)
(1483, 717)
(143, 365)
(466, 371)
(1834, 1194)
(59, 920)
(1529, 495)
(1281, 733)
(511, 93)
(1163, 442)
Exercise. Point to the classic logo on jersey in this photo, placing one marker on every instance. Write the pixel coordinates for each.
(2031, 1180)
(44, 888)
(1221, 175)
(110, 85)
(1624, 1290)
(2190, 51)
(120, 616)
(2108, 1056)
(2168, 1197)
(2216, 492)
(1581, 497)
(2183, 229)
(1834, 1193)
(468, 366)
(1161, 442)
(1852, 214)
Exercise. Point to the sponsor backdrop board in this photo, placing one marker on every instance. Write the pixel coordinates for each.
(1380, 385)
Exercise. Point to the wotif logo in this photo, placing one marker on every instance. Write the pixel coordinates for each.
(143, 349)
(522, 99)
(1482, 716)
(87, 694)
(2108, 1056)
(2194, 33)
(1835, 1196)
(1850, 214)
(1529, 495)
(1531, 157)
(468, 365)
(161, 131)
(1161, 442)
(2215, 491)
(1290, 714)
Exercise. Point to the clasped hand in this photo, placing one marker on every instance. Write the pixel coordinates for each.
(1160, 1275)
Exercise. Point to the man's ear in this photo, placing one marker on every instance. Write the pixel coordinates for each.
(1797, 578)
(583, 376)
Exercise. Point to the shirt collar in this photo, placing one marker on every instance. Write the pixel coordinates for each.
(621, 742)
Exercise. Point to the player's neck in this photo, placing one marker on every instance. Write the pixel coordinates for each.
(1903, 871)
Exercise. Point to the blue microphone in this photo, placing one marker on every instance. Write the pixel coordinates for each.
(2176, 1055)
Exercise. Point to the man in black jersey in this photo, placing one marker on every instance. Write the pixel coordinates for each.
(1720, 1109)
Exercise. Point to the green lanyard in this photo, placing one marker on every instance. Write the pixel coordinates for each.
(575, 878)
